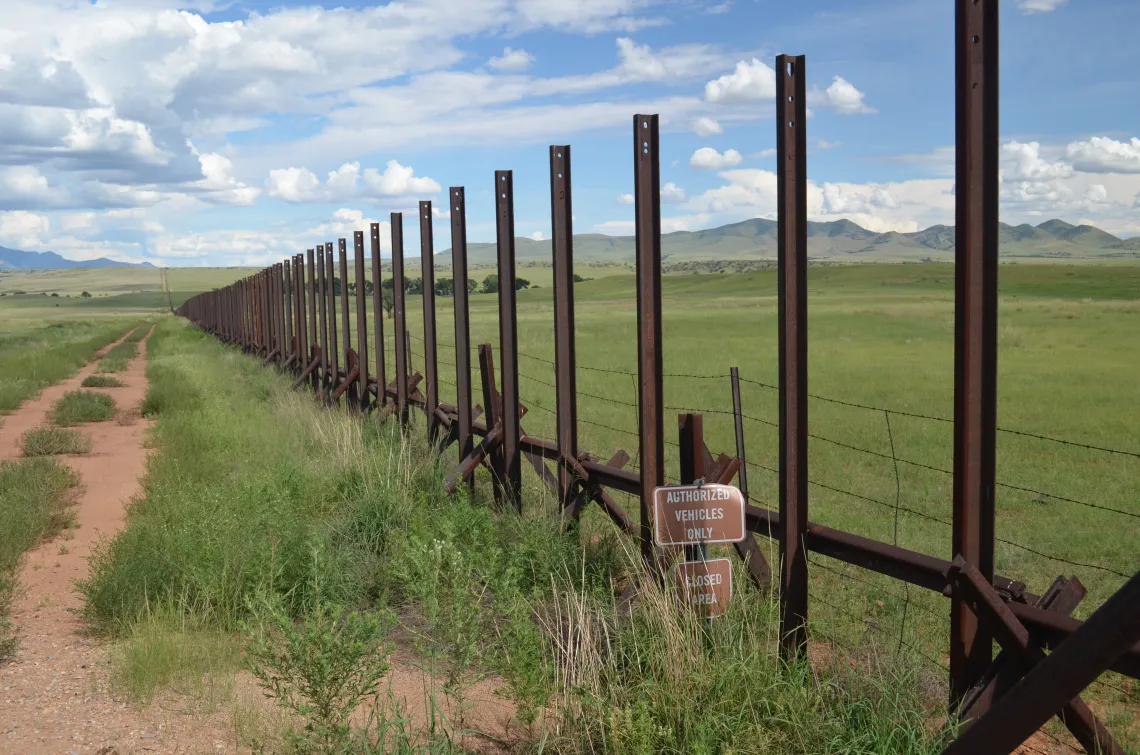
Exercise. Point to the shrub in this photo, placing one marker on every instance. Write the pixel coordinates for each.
(77, 407)
(102, 381)
(49, 441)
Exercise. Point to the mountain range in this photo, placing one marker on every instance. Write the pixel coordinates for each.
(755, 239)
(837, 240)
(14, 259)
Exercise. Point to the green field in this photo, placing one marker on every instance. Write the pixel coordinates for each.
(880, 336)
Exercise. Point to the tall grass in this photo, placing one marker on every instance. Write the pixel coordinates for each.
(32, 361)
(256, 493)
(34, 498)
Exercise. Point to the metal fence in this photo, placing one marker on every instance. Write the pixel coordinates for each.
(287, 313)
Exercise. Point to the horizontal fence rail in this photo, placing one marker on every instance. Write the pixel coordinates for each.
(287, 315)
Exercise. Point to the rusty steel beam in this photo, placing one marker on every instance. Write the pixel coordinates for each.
(494, 416)
(334, 349)
(311, 294)
(975, 323)
(361, 321)
(427, 266)
(791, 189)
(508, 336)
(400, 335)
(463, 437)
(1047, 628)
(287, 297)
(345, 321)
(565, 379)
(976, 591)
(378, 310)
(323, 299)
(1111, 631)
(279, 312)
(650, 401)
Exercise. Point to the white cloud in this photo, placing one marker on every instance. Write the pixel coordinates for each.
(512, 60)
(671, 193)
(625, 199)
(1039, 6)
(348, 182)
(1022, 161)
(24, 187)
(707, 158)
(753, 80)
(705, 126)
(842, 97)
(1100, 154)
(826, 145)
(23, 230)
(537, 236)
(589, 16)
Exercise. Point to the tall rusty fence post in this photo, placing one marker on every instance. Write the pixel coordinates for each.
(975, 324)
(427, 266)
(508, 335)
(464, 436)
(650, 401)
(791, 189)
(565, 379)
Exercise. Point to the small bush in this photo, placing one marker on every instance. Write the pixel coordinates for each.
(49, 441)
(102, 381)
(322, 667)
(77, 407)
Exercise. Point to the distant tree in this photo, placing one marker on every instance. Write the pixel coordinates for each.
(336, 286)
(491, 284)
(54, 294)
(580, 279)
(413, 286)
(521, 283)
(472, 285)
(445, 287)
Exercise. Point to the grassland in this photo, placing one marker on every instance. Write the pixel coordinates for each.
(258, 496)
(36, 358)
(880, 336)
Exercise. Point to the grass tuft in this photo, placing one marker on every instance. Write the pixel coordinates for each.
(102, 381)
(35, 495)
(50, 441)
(78, 407)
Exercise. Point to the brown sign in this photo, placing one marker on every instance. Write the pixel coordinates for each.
(705, 585)
(692, 514)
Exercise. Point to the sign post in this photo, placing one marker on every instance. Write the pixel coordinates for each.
(695, 515)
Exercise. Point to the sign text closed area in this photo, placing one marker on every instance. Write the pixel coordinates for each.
(705, 585)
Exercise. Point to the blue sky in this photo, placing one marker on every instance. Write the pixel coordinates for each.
(218, 132)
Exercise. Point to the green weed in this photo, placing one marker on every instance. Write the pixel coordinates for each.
(102, 381)
(322, 667)
(78, 407)
(50, 441)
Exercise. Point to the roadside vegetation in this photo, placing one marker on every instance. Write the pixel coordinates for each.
(102, 381)
(35, 496)
(33, 360)
(308, 546)
(117, 359)
(79, 407)
(52, 441)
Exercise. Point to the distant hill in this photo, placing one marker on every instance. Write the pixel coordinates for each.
(837, 240)
(14, 259)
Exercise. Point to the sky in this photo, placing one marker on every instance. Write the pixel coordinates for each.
(209, 132)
